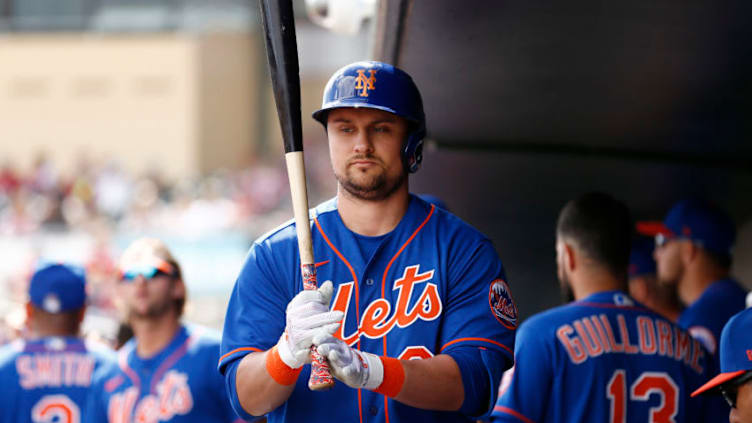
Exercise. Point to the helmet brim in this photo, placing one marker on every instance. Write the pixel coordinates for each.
(321, 114)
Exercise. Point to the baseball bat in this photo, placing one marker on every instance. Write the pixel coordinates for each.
(282, 51)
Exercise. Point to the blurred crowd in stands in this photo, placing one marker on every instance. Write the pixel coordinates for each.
(46, 198)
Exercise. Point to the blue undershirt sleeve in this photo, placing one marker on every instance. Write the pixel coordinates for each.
(481, 371)
(232, 393)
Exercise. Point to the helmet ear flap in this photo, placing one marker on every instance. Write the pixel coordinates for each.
(413, 154)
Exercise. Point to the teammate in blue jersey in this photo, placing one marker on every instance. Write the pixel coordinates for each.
(693, 253)
(165, 373)
(416, 318)
(47, 377)
(603, 358)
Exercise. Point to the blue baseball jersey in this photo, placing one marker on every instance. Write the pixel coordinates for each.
(432, 285)
(705, 318)
(179, 384)
(605, 359)
(48, 379)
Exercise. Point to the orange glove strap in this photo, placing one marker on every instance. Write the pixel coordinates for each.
(278, 370)
(394, 377)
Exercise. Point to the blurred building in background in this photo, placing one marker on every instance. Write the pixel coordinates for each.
(124, 118)
(180, 103)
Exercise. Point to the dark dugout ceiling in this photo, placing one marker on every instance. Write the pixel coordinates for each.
(660, 80)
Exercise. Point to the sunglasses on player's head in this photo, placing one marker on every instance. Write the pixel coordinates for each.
(730, 389)
(663, 239)
(147, 271)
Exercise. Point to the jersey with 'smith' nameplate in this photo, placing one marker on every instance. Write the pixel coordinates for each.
(606, 359)
(431, 285)
(48, 379)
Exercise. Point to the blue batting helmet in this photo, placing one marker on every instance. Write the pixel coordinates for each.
(381, 86)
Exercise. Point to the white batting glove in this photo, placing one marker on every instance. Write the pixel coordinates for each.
(355, 368)
(307, 314)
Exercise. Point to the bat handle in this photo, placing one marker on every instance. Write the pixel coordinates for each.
(321, 377)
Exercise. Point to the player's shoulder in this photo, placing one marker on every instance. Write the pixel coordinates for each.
(548, 319)
(443, 220)
(202, 335)
(286, 231)
(281, 233)
(108, 370)
(538, 332)
(202, 339)
(551, 319)
(722, 299)
(727, 291)
(9, 352)
(101, 352)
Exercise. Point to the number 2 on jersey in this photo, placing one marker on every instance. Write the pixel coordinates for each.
(647, 384)
(55, 408)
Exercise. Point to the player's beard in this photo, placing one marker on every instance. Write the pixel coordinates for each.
(669, 278)
(369, 187)
(153, 311)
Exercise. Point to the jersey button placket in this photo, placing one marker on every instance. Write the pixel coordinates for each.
(369, 281)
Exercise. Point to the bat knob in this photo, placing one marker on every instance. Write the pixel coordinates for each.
(320, 385)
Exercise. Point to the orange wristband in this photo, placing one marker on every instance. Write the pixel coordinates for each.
(394, 377)
(278, 370)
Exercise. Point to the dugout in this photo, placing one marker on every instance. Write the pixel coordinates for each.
(533, 103)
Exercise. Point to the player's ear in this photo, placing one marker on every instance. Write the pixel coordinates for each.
(570, 257)
(29, 311)
(564, 255)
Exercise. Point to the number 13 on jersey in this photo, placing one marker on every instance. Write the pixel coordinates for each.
(649, 383)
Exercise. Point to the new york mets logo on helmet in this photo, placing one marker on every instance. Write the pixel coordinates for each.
(364, 83)
(502, 304)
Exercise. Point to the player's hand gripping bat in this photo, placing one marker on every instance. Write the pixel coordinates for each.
(282, 51)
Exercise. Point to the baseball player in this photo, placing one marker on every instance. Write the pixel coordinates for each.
(165, 373)
(48, 377)
(693, 252)
(416, 318)
(736, 368)
(604, 357)
(644, 286)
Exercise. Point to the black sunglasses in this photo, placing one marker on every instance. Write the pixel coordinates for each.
(730, 389)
